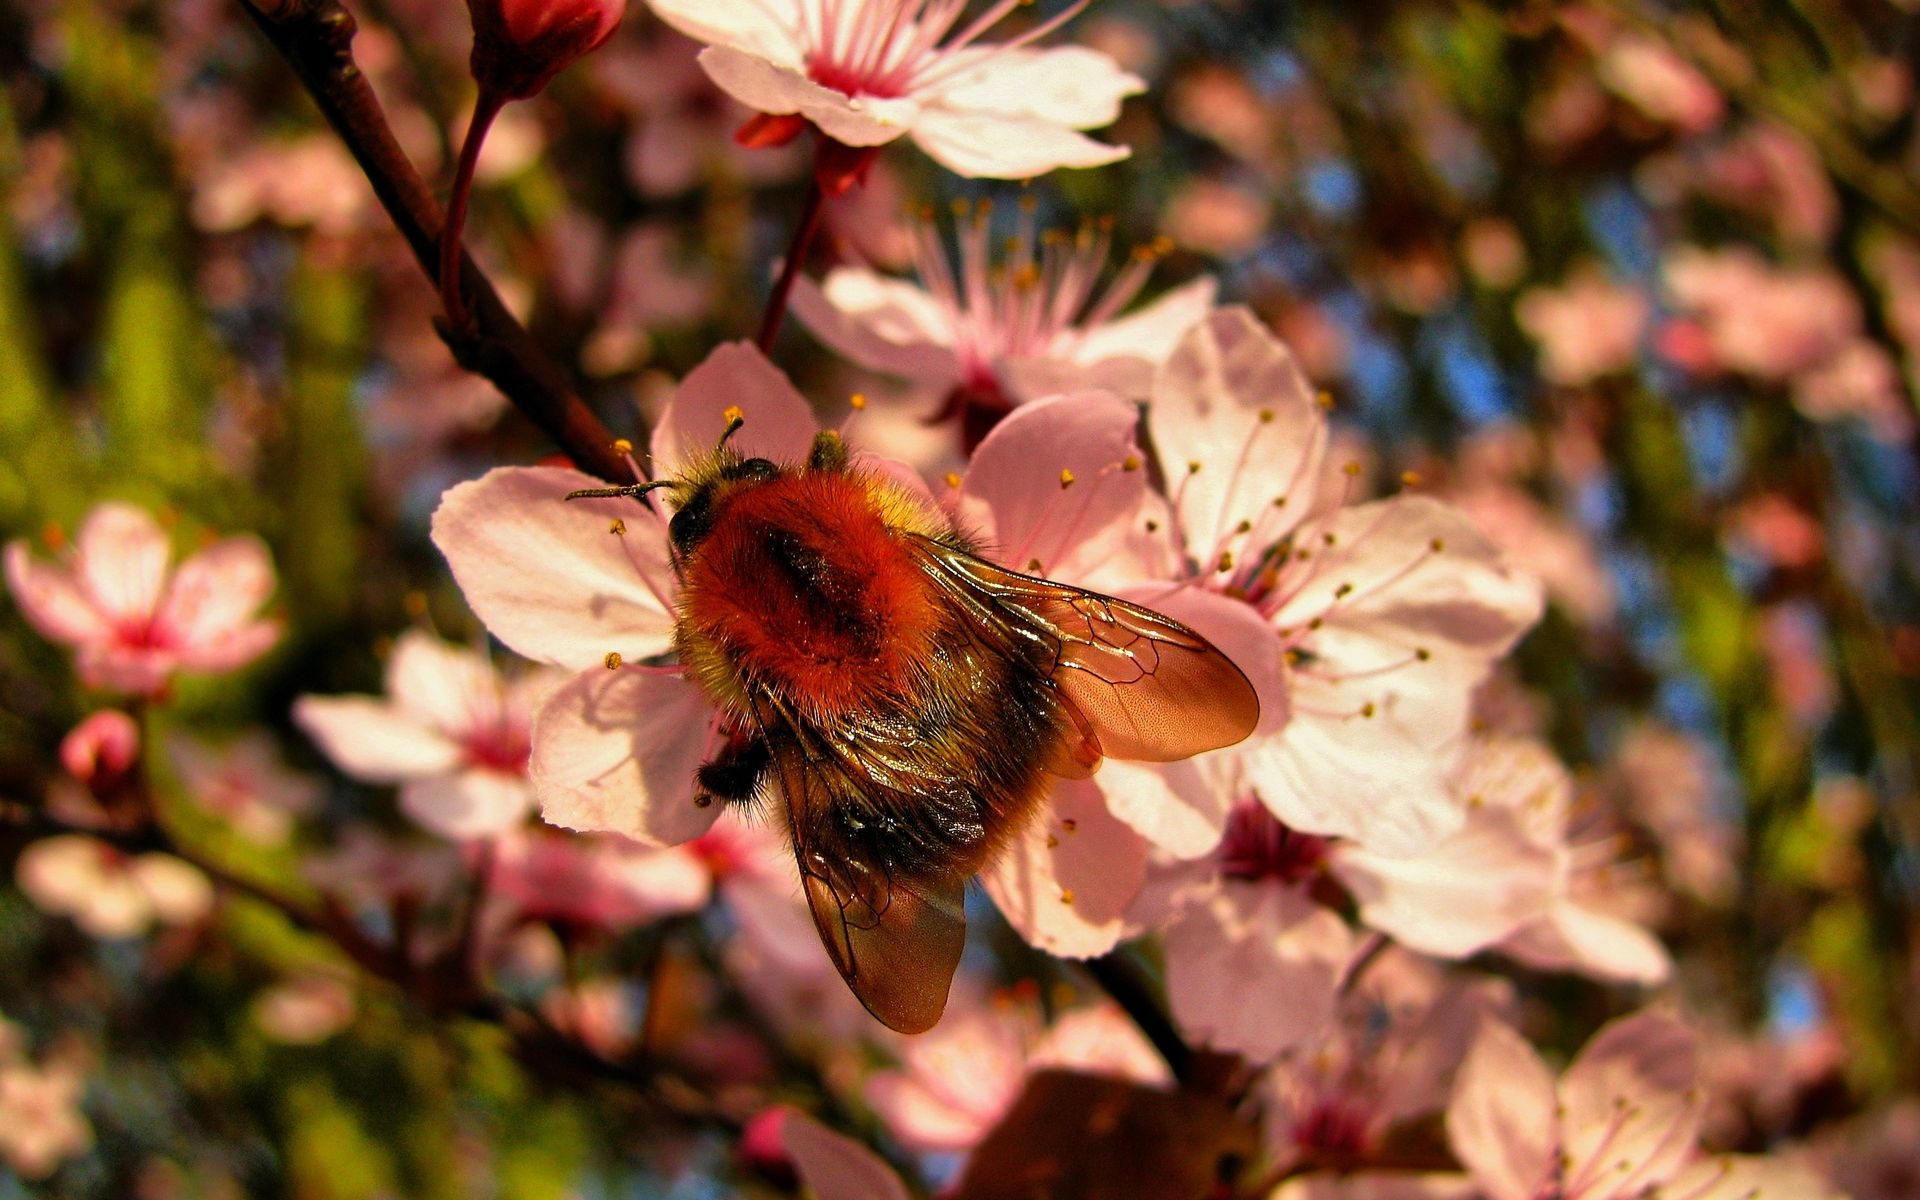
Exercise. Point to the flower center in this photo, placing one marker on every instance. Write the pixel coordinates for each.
(502, 746)
(1257, 846)
(889, 48)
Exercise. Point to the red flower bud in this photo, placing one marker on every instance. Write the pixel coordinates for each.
(519, 45)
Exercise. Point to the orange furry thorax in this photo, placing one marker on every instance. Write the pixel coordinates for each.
(805, 589)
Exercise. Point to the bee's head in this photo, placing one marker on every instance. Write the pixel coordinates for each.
(703, 488)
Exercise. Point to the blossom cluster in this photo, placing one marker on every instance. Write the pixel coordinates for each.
(371, 798)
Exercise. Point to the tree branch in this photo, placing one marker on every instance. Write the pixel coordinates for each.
(316, 39)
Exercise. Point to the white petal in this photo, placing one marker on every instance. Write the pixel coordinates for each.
(779, 89)
(1152, 331)
(990, 146)
(1457, 897)
(1065, 85)
(1630, 1110)
(1066, 882)
(1233, 400)
(372, 741)
(1745, 1177)
(1578, 939)
(122, 560)
(545, 573)
(886, 325)
(615, 752)
(763, 27)
(475, 803)
(449, 688)
(1501, 1119)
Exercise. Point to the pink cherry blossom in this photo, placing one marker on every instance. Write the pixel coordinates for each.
(519, 45)
(866, 72)
(1660, 83)
(956, 1081)
(133, 620)
(246, 783)
(1387, 1059)
(989, 335)
(452, 732)
(107, 892)
(41, 1124)
(1365, 628)
(1587, 328)
(595, 882)
(1496, 875)
(305, 1010)
(1620, 1124)
(833, 1166)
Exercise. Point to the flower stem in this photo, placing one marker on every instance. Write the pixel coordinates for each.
(485, 109)
(790, 269)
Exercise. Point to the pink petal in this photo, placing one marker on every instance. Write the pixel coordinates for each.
(835, 1167)
(1233, 400)
(1377, 1185)
(779, 422)
(774, 88)
(230, 650)
(885, 325)
(1255, 969)
(1066, 881)
(957, 1079)
(371, 741)
(51, 599)
(449, 688)
(1629, 1101)
(1055, 488)
(1101, 1041)
(1152, 331)
(1458, 897)
(214, 595)
(1501, 1120)
(1744, 1177)
(122, 556)
(758, 28)
(545, 573)
(475, 803)
(1570, 937)
(105, 744)
(615, 752)
(984, 145)
(135, 670)
(1395, 577)
(1524, 777)
(1070, 86)
(1332, 771)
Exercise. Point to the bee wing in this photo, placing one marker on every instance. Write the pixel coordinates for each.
(1140, 685)
(896, 942)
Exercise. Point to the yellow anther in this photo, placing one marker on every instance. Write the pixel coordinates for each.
(1350, 470)
(613, 660)
(1325, 400)
(1193, 468)
(1130, 463)
(857, 401)
(1066, 477)
(618, 527)
(1436, 545)
(953, 479)
(1066, 895)
(622, 446)
(1367, 709)
(733, 414)
(1266, 416)
(1410, 479)
(1226, 561)
(1070, 825)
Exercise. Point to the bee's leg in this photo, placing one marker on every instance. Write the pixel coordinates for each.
(734, 774)
(829, 452)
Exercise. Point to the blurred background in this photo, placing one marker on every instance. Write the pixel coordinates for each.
(1636, 285)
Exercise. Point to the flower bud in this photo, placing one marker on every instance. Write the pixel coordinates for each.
(101, 749)
(519, 45)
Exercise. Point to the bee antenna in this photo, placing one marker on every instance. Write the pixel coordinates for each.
(632, 489)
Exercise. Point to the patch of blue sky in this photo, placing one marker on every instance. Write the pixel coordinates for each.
(1711, 428)
(1793, 999)
(1332, 187)
(1465, 368)
(1618, 223)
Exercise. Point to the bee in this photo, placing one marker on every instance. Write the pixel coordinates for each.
(908, 699)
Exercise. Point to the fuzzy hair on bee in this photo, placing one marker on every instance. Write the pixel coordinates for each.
(908, 700)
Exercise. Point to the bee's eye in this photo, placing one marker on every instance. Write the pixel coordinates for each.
(692, 523)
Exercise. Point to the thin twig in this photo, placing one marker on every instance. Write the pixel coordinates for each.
(316, 39)
(790, 269)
